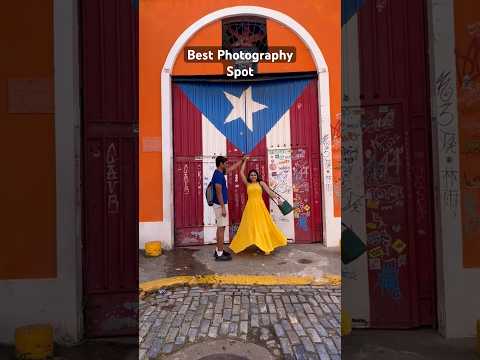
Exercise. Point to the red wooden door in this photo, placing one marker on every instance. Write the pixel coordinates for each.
(397, 162)
(238, 201)
(306, 175)
(110, 167)
(284, 147)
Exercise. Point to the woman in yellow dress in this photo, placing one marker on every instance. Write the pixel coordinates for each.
(257, 226)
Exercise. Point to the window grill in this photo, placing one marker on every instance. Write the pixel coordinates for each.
(247, 34)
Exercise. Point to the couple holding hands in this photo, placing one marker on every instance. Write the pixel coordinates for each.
(256, 227)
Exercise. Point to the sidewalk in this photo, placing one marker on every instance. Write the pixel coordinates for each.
(114, 348)
(300, 260)
(247, 321)
(405, 345)
(285, 322)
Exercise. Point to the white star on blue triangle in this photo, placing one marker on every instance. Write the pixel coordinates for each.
(241, 109)
(264, 103)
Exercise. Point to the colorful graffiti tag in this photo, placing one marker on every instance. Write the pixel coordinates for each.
(384, 173)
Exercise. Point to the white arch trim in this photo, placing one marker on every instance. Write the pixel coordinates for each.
(331, 230)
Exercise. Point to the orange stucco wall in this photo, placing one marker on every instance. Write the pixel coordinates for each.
(467, 44)
(278, 35)
(162, 22)
(27, 181)
(210, 35)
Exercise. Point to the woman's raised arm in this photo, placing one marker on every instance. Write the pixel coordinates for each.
(242, 170)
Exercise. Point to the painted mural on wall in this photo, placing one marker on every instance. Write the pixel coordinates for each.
(289, 170)
(467, 40)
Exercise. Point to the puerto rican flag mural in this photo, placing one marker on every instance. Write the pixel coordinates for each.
(276, 123)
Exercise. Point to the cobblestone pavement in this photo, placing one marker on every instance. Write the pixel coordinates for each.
(293, 322)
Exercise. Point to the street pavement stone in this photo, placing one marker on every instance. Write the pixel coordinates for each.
(292, 322)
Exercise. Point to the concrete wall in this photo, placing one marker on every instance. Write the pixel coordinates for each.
(56, 300)
(458, 287)
(355, 288)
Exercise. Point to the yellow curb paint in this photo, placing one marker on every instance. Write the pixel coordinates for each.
(328, 279)
(34, 342)
(266, 280)
(166, 282)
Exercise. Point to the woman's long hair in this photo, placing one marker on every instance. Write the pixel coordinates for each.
(256, 172)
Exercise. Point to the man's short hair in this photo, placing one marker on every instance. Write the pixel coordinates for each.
(220, 160)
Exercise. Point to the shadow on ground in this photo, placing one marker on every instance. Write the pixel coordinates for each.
(405, 345)
(181, 261)
(295, 259)
(121, 349)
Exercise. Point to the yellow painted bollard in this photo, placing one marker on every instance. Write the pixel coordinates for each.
(34, 342)
(153, 248)
(346, 323)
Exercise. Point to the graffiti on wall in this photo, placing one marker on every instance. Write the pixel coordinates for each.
(189, 210)
(112, 179)
(384, 176)
(388, 279)
(354, 274)
(280, 180)
(336, 131)
(327, 161)
(280, 170)
(449, 180)
(373, 144)
(186, 180)
(352, 196)
(301, 189)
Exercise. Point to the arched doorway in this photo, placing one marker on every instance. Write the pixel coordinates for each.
(330, 224)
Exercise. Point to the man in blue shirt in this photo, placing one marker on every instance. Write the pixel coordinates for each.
(220, 201)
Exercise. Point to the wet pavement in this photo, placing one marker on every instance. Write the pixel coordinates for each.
(405, 345)
(294, 259)
(290, 322)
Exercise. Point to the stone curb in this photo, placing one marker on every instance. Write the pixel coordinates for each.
(261, 280)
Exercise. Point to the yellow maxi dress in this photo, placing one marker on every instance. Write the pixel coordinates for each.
(257, 227)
